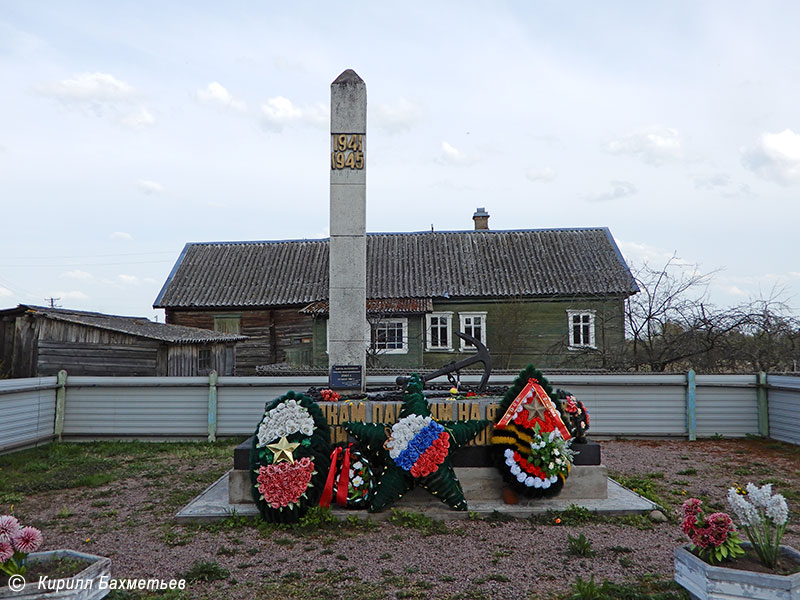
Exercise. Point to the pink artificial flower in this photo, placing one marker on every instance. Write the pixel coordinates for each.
(27, 539)
(8, 527)
(6, 551)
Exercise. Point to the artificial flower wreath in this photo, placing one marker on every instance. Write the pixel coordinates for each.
(415, 451)
(530, 442)
(289, 457)
(350, 481)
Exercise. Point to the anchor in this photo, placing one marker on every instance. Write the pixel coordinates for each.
(482, 356)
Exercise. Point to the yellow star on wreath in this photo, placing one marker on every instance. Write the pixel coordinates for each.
(283, 451)
(394, 481)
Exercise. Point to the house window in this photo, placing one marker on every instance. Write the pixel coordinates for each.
(581, 328)
(228, 323)
(390, 336)
(204, 360)
(438, 327)
(474, 324)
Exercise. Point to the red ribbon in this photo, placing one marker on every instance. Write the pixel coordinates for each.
(344, 478)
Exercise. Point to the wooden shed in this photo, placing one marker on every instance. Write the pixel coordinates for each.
(38, 341)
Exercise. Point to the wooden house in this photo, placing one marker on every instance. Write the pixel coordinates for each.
(553, 297)
(37, 341)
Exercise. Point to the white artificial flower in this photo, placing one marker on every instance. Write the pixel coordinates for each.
(285, 419)
(550, 467)
(357, 466)
(515, 470)
(777, 510)
(746, 513)
(553, 478)
(357, 481)
(521, 477)
(759, 496)
(546, 483)
(529, 481)
(509, 453)
(537, 482)
(510, 461)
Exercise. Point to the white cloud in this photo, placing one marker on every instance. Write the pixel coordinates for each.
(128, 279)
(710, 182)
(138, 119)
(775, 157)
(149, 187)
(654, 145)
(72, 295)
(642, 253)
(215, 94)
(89, 87)
(398, 117)
(5, 293)
(76, 274)
(453, 156)
(619, 189)
(121, 235)
(543, 175)
(279, 111)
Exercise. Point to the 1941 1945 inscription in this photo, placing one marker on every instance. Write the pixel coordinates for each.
(348, 151)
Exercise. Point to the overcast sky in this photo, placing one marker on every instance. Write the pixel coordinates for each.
(130, 128)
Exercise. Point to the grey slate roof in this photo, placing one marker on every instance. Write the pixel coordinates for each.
(138, 326)
(456, 264)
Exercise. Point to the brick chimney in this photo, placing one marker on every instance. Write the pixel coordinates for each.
(481, 218)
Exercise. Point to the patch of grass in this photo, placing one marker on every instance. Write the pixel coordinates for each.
(205, 570)
(418, 521)
(656, 475)
(500, 554)
(579, 546)
(644, 486)
(65, 513)
(620, 549)
(689, 471)
(646, 588)
(284, 541)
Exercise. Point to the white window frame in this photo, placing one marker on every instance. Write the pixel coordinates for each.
(448, 316)
(462, 317)
(403, 322)
(571, 314)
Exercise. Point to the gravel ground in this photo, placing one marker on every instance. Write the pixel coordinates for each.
(131, 521)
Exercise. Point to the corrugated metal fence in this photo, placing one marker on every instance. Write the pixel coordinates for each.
(681, 405)
(784, 408)
(27, 411)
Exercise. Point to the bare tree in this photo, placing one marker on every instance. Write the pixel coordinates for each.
(670, 320)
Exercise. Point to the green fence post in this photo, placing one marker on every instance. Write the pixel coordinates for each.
(763, 405)
(212, 406)
(61, 398)
(691, 405)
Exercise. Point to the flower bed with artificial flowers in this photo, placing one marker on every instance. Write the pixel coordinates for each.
(16, 542)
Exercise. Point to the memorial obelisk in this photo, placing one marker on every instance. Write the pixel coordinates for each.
(348, 330)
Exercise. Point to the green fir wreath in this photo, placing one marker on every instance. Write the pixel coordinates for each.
(415, 451)
(532, 457)
(289, 458)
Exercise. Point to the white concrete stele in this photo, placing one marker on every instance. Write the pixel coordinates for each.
(348, 330)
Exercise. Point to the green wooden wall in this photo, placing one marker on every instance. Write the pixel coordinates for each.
(518, 332)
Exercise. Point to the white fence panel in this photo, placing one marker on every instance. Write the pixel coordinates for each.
(136, 406)
(27, 411)
(784, 408)
(241, 400)
(727, 405)
(630, 404)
